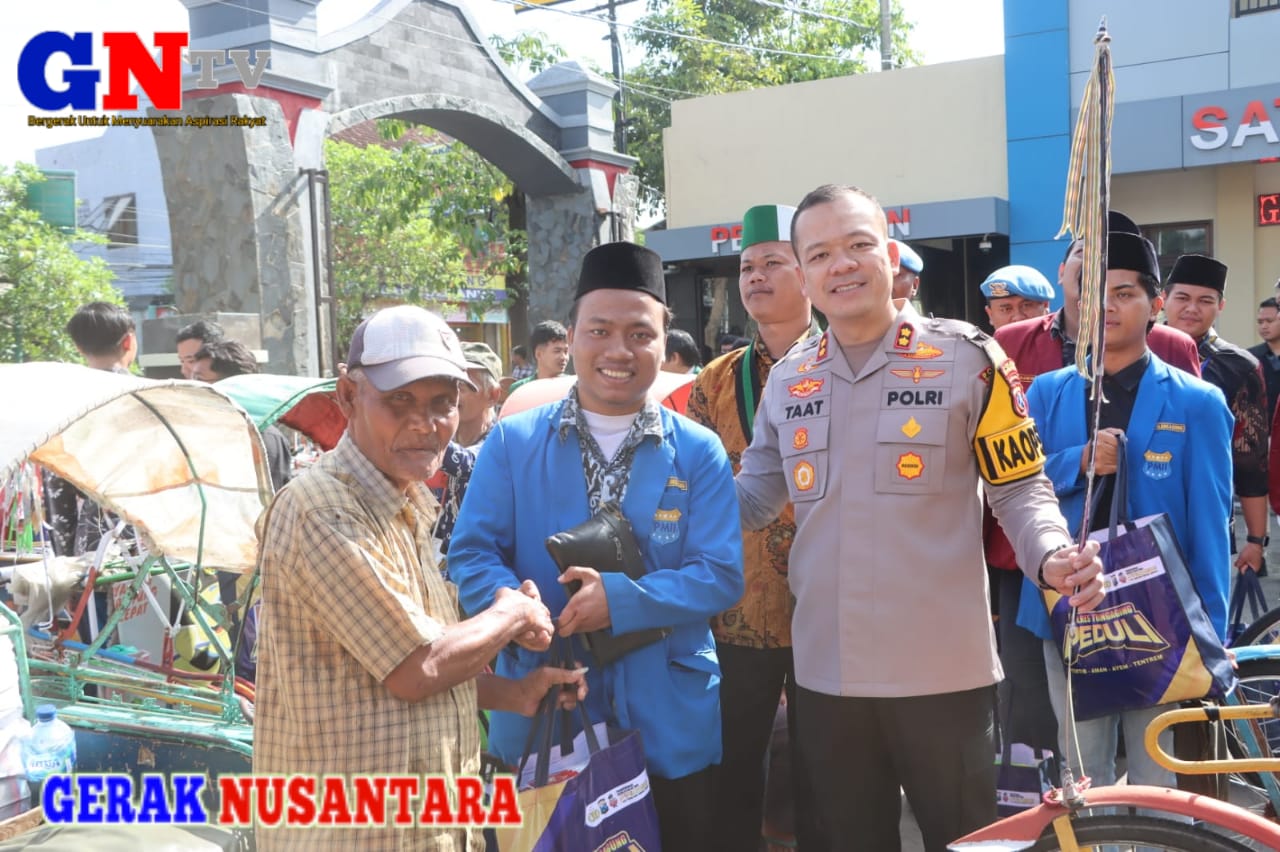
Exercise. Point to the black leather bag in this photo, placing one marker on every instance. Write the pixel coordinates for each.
(605, 542)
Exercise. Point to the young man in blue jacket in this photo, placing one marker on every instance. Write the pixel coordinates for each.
(1178, 430)
(549, 469)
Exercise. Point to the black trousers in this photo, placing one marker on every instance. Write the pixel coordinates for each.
(752, 681)
(860, 751)
(684, 810)
(1026, 716)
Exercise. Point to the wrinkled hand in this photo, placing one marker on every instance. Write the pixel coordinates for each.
(525, 604)
(1104, 459)
(1250, 558)
(533, 688)
(1071, 567)
(588, 608)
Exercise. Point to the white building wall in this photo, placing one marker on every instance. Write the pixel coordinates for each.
(1165, 48)
(122, 160)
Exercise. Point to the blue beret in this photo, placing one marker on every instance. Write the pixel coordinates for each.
(908, 259)
(1017, 281)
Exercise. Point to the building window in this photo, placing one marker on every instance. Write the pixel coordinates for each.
(121, 225)
(1179, 238)
(1248, 7)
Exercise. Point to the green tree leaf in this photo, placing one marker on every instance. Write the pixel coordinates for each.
(416, 224)
(42, 279)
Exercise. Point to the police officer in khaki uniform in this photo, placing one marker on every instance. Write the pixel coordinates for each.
(886, 420)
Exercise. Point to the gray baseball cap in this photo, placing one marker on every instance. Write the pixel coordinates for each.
(406, 343)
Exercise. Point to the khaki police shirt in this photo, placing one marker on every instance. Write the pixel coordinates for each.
(883, 468)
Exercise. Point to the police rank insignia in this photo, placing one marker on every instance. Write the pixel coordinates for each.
(822, 346)
(803, 476)
(805, 388)
(917, 374)
(923, 352)
(1010, 372)
(800, 439)
(666, 526)
(911, 428)
(1157, 465)
(902, 340)
(910, 466)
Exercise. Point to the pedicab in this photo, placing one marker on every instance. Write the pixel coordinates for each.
(182, 468)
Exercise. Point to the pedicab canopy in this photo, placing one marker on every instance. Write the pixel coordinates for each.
(306, 404)
(178, 460)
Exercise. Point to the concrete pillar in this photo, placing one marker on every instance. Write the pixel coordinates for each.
(564, 228)
(234, 219)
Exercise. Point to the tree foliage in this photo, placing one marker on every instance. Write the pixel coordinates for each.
(529, 53)
(675, 67)
(42, 280)
(415, 224)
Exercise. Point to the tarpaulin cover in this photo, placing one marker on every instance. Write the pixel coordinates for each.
(299, 402)
(145, 450)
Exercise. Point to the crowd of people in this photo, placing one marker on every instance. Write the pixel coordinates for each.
(407, 586)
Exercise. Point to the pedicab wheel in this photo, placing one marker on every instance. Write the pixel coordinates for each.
(1129, 832)
(1263, 631)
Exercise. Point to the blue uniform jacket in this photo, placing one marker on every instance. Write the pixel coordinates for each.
(1175, 417)
(529, 484)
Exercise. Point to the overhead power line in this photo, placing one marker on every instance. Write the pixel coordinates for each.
(814, 13)
(675, 34)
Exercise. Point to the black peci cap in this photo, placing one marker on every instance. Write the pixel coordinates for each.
(1199, 270)
(622, 266)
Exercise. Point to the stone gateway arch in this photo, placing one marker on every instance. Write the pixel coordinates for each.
(241, 211)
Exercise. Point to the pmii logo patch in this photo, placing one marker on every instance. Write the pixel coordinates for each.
(127, 56)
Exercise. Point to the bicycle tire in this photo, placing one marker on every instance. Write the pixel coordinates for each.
(1259, 680)
(1130, 831)
(1265, 630)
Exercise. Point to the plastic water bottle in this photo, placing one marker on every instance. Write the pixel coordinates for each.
(51, 747)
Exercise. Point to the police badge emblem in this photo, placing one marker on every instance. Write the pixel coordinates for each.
(666, 526)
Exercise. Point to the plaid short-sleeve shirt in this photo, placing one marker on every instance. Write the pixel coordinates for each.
(349, 591)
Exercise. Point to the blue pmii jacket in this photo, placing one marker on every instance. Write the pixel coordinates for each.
(529, 484)
(1179, 454)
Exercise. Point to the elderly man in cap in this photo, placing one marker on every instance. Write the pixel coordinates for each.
(364, 667)
(1178, 431)
(610, 447)
(1193, 302)
(907, 280)
(753, 637)
(1016, 293)
(477, 412)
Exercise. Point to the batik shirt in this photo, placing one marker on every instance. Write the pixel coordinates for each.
(1235, 372)
(762, 619)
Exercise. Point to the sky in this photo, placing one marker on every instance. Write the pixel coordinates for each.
(945, 30)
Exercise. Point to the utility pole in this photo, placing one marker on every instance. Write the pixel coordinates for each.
(886, 35)
(620, 101)
(615, 49)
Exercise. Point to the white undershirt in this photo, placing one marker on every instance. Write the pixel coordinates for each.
(608, 430)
